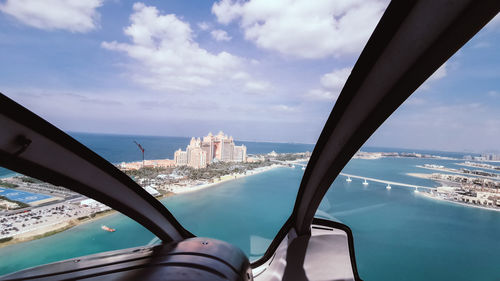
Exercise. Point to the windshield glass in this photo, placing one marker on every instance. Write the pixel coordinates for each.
(42, 223)
(422, 194)
(211, 106)
(214, 107)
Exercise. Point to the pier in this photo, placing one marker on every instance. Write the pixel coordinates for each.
(388, 182)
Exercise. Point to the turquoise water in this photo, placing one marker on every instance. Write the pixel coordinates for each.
(402, 236)
(87, 238)
(399, 235)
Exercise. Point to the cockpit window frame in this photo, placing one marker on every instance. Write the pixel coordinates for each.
(338, 142)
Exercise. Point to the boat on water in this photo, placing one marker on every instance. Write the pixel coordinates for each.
(348, 179)
(365, 182)
(109, 229)
(388, 187)
(293, 166)
(303, 168)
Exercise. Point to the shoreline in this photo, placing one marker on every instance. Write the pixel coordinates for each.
(478, 167)
(230, 177)
(58, 227)
(428, 177)
(55, 228)
(430, 196)
(448, 170)
(442, 183)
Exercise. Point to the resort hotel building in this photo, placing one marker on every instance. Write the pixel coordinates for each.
(201, 152)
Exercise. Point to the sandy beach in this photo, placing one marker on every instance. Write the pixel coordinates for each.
(443, 184)
(192, 188)
(420, 175)
(430, 196)
(52, 226)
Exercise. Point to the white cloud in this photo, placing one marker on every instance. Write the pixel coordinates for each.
(220, 35)
(451, 127)
(440, 73)
(227, 11)
(257, 86)
(481, 45)
(331, 85)
(72, 15)
(494, 23)
(493, 94)
(204, 26)
(240, 75)
(167, 56)
(283, 108)
(304, 28)
(336, 79)
(415, 101)
(320, 94)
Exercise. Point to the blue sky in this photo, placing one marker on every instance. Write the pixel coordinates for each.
(259, 70)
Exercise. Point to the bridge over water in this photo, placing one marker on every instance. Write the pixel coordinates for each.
(388, 182)
(368, 179)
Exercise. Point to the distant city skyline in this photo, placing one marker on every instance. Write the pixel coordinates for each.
(177, 68)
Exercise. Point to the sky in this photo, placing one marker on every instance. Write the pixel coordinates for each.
(259, 70)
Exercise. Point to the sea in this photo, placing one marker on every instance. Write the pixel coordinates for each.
(398, 234)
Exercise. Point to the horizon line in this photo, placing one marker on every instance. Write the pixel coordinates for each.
(287, 142)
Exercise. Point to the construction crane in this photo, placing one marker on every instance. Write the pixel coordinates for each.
(142, 150)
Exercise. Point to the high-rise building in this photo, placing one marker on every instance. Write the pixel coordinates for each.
(240, 153)
(196, 156)
(491, 157)
(180, 157)
(201, 152)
